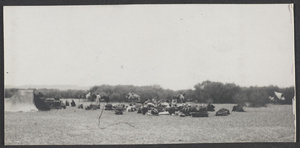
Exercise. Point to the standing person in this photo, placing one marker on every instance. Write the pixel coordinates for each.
(98, 99)
(73, 104)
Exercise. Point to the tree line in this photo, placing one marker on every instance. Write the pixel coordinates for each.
(205, 92)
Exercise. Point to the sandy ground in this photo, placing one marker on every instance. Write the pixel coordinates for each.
(73, 126)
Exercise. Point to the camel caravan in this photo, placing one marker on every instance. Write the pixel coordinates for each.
(177, 106)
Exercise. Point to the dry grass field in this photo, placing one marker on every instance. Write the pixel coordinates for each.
(73, 126)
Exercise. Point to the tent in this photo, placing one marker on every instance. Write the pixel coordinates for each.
(279, 95)
(23, 100)
(133, 97)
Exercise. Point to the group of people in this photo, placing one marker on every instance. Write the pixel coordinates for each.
(73, 104)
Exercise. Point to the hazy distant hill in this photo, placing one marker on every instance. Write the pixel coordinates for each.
(60, 87)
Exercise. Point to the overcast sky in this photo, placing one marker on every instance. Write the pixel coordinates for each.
(174, 46)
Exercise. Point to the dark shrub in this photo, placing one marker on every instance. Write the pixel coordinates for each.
(258, 98)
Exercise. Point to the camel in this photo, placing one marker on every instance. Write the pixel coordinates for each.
(179, 98)
(88, 95)
(238, 108)
(106, 98)
(133, 97)
(223, 112)
(210, 107)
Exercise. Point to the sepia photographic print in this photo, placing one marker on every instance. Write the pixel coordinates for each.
(149, 74)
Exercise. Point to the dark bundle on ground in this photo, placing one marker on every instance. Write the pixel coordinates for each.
(119, 109)
(139, 110)
(80, 106)
(198, 111)
(108, 107)
(119, 105)
(172, 110)
(154, 111)
(149, 105)
(182, 115)
(185, 110)
(54, 104)
(67, 103)
(189, 110)
(201, 108)
(144, 110)
(199, 114)
(160, 109)
(222, 112)
(92, 107)
(164, 105)
(39, 103)
(73, 104)
(210, 107)
(238, 108)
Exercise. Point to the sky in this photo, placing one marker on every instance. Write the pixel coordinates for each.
(174, 46)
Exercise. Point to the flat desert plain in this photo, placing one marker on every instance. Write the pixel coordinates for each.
(73, 126)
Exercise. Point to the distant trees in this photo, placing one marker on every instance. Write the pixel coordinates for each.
(216, 91)
(9, 92)
(240, 96)
(205, 92)
(257, 96)
(119, 92)
(288, 94)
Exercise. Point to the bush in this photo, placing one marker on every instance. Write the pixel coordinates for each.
(240, 98)
(258, 98)
(92, 98)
